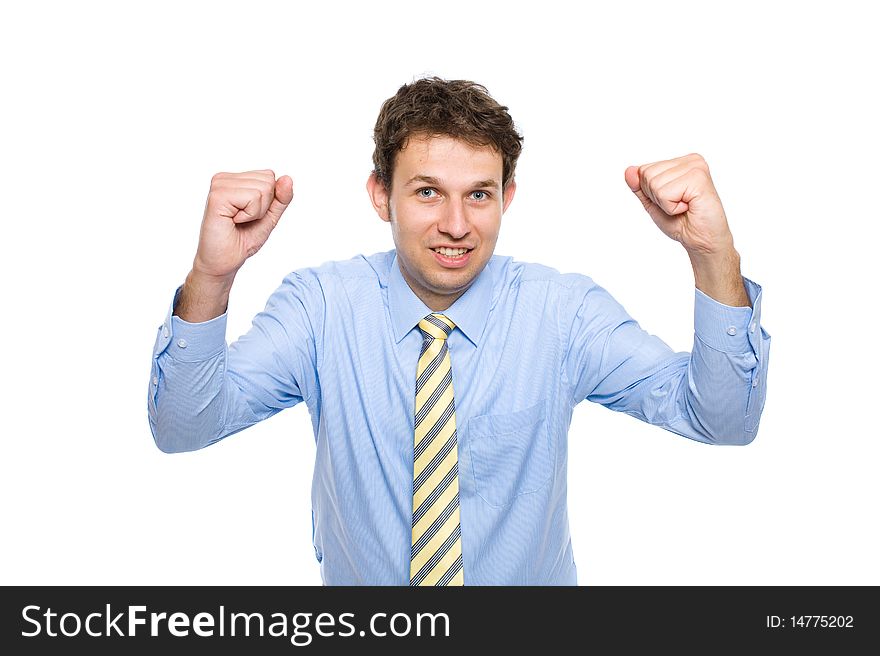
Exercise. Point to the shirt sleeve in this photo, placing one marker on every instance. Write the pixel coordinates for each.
(202, 390)
(714, 394)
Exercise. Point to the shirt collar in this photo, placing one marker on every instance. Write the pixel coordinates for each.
(469, 313)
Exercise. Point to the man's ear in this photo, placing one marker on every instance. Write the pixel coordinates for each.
(507, 195)
(378, 196)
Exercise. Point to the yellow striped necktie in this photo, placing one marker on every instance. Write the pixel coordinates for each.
(436, 523)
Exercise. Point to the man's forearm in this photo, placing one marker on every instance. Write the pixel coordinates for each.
(718, 276)
(203, 297)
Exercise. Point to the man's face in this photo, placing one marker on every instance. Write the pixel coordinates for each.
(445, 194)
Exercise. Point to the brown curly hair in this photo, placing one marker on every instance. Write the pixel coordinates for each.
(456, 108)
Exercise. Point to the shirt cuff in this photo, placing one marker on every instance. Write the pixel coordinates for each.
(727, 328)
(190, 342)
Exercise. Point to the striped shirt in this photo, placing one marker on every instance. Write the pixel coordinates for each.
(529, 344)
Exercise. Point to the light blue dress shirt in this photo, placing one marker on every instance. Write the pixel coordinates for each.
(530, 343)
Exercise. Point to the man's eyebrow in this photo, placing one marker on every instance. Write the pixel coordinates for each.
(486, 183)
(428, 179)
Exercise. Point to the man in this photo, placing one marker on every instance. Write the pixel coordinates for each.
(441, 378)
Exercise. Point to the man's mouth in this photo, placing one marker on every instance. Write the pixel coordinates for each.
(452, 252)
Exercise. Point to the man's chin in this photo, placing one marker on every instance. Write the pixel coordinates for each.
(452, 281)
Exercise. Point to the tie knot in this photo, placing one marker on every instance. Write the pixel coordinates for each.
(436, 326)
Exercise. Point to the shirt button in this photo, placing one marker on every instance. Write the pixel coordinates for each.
(731, 331)
(752, 328)
(181, 343)
(155, 381)
(755, 382)
(165, 330)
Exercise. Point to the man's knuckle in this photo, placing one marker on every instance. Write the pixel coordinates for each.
(698, 160)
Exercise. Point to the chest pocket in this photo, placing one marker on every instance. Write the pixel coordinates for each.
(511, 454)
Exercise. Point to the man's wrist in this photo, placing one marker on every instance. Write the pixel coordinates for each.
(718, 276)
(203, 297)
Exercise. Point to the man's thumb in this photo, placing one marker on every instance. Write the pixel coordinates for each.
(283, 196)
(631, 175)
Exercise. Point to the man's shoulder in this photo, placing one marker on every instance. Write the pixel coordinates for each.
(534, 283)
(367, 267)
(512, 272)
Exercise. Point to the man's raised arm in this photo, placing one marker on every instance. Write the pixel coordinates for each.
(200, 390)
(715, 393)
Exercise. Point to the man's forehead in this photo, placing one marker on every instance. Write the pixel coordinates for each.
(443, 158)
(434, 143)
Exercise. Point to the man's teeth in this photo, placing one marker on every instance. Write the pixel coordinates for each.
(451, 252)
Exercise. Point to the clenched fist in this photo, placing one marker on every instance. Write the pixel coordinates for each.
(241, 211)
(680, 196)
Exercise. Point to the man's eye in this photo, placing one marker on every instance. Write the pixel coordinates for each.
(426, 192)
(479, 195)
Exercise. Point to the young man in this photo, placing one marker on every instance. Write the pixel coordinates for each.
(441, 378)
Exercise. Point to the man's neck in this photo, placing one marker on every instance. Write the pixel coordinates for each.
(434, 301)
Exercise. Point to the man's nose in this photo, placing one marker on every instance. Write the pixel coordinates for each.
(454, 221)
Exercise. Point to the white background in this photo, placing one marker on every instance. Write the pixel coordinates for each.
(115, 118)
